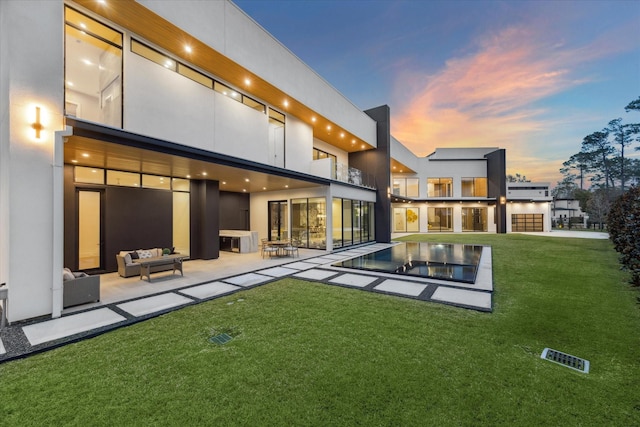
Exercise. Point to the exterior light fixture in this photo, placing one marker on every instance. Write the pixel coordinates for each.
(37, 125)
(286, 103)
(247, 81)
(313, 119)
(503, 200)
(188, 48)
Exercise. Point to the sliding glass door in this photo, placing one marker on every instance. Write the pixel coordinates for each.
(278, 220)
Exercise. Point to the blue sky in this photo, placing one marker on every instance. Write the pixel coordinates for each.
(534, 77)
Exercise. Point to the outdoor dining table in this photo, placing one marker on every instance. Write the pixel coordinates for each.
(280, 245)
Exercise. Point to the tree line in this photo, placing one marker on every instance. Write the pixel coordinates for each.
(603, 169)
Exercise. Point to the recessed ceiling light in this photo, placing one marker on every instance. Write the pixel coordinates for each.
(313, 119)
(286, 186)
(85, 154)
(246, 180)
(188, 48)
(341, 134)
(224, 182)
(363, 146)
(204, 174)
(188, 176)
(244, 190)
(328, 127)
(247, 81)
(264, 188)
(353, 141)
(234, 94)
(286, 103)
(74, 161)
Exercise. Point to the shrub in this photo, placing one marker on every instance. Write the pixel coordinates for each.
(624, 230)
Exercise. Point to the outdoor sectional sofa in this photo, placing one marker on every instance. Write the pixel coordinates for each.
(79, 288)
(128, 268)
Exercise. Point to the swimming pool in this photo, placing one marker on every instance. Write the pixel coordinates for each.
(445, 261)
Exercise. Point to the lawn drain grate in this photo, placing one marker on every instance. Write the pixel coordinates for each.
(220, 339)
(565, 360)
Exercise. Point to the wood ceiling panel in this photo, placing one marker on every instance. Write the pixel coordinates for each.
(138, 19)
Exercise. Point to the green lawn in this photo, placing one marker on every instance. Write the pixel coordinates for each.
(311, 354)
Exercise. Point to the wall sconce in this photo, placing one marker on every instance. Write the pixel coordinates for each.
(503, 200)
(37, 125)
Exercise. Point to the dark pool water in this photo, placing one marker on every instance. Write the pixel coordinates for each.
(446, 261)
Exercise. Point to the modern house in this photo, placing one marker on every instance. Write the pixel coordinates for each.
(131, 124)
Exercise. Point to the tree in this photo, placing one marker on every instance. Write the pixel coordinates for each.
(597, 151)
(598, 206)
(633, 105)
(564, 189)
(583, 197)
(623, 136)
(578, 162)
(517, 178)
(624, 230)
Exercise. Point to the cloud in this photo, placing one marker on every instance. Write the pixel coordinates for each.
(492, 96)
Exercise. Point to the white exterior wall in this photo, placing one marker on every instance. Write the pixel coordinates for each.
(298, 142)
(404, 155)
(226, 28)
(31, 73)
(530, 208)
(451, 169)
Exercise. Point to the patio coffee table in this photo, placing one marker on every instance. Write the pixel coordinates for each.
(147, 263)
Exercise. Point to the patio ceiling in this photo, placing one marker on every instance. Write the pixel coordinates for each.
(90, 152)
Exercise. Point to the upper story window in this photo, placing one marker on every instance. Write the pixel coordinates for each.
(440, 187)
(474, 187)
(406, 187)
(93, 70)
(319, 154)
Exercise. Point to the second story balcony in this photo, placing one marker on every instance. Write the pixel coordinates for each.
(329, 168)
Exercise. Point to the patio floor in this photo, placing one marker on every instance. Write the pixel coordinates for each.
(125, 301)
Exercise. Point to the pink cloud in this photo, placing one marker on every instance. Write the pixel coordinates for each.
(487, 98)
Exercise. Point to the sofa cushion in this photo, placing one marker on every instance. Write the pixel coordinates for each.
(127, 258)
(134, 255)
(67, 274)
(145, 254)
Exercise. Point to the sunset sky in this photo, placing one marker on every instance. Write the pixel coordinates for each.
(534, 77)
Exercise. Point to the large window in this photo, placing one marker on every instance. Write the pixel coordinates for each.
(93, 70)
(474, 187)
(440, 219)
(474, 219)
(406, 220)
(440, 187)
(353, 222)
(308, 222)
(406, 187)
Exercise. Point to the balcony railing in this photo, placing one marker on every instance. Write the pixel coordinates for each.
(343, 173)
